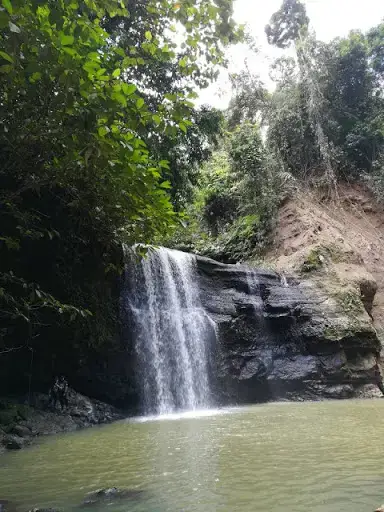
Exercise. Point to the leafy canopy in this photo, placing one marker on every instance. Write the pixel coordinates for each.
(287, 24)
(89, 92)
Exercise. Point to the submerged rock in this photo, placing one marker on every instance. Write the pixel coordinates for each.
(110, 495)
(43, 510)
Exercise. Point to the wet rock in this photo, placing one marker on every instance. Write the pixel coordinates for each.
(110, 495)
(13, 442)
(82, 412)
(278, 342)
(43, 510)
(21, 431)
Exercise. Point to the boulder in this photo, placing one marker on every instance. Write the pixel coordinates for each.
(13, 442)
(21, 431)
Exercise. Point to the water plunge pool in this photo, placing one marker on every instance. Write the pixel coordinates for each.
(322, 457)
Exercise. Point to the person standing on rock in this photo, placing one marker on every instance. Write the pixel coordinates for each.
(379, 378)
(54, 393)
(63, 392)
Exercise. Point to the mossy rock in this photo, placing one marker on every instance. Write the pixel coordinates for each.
(337, 333)
(351, 303)
(319, 256)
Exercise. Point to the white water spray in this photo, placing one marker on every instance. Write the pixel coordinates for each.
(254, 290)
(172, 332)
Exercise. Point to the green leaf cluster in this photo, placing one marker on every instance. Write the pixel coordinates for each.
(97, 101)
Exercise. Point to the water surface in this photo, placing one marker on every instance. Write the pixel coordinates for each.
(318, 457)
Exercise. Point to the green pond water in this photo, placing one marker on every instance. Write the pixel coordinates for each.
(291, 457)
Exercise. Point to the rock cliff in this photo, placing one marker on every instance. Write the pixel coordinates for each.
(289, 338)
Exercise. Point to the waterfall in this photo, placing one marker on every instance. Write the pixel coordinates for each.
(254, 290)
(172, 331)
(284, 281)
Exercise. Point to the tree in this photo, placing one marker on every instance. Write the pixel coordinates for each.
(291, 139)
(159, 78)
(351, 103)
(249, 99)
(188, 151)
(331, 123)
(287, 24)
(375, 38)
(83, 111)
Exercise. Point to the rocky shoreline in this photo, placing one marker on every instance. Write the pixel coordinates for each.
(22, 424)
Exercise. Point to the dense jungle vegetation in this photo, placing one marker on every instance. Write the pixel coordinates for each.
(102, 144)
(98, 136)
(322, 124)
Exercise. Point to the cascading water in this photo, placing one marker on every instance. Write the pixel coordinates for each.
(254, 290)
(173, 333)
(283, 280)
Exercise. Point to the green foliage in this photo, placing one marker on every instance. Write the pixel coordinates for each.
(235, 203)
(291, 138)
(354, 110)
(287, 24)
(375, 39)
(326, 118)
(323, 123)
(97, 109)
(188, 151)
(351, 303)
(172, 77)
(314, 261)
(249, 99)
(375, 179)
(217, 199)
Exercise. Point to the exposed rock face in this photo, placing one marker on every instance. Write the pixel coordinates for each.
(38, 419)
(288, 342)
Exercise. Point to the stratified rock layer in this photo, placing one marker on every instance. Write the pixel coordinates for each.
(279, 340)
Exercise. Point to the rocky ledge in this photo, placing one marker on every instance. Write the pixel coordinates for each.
(292, 338)
(21, 424)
